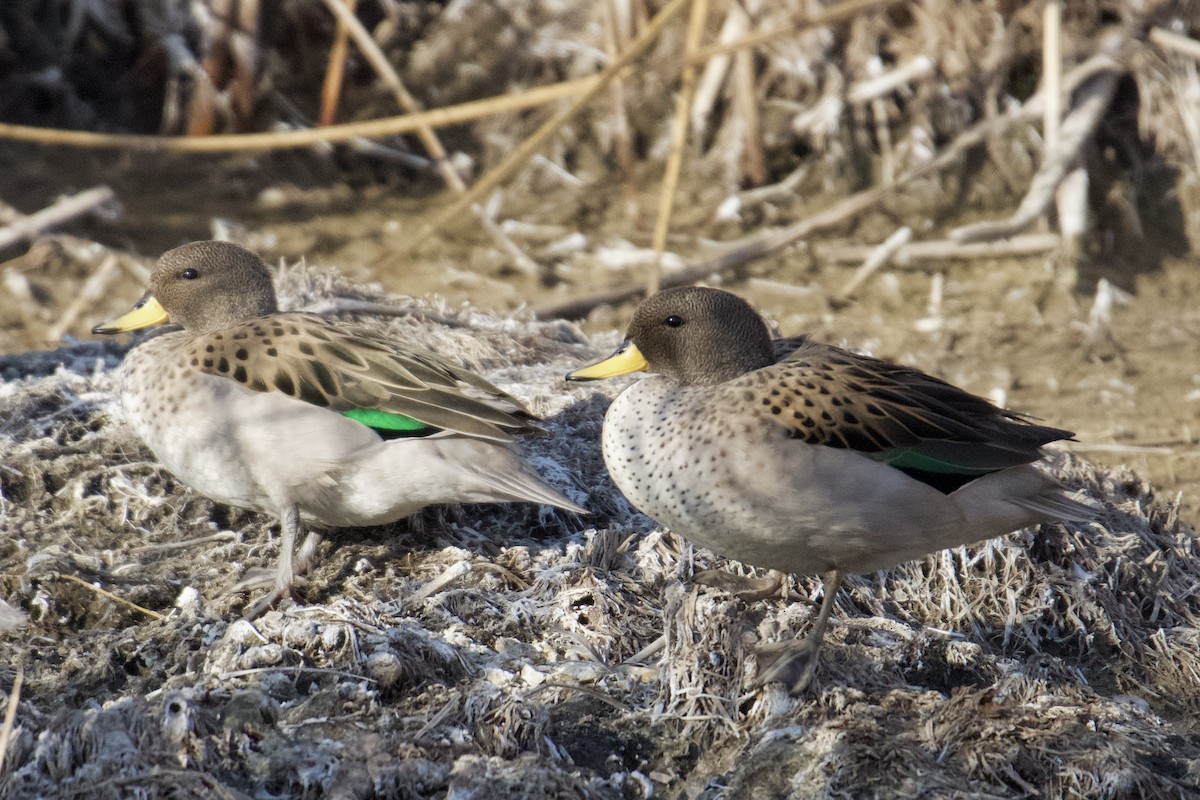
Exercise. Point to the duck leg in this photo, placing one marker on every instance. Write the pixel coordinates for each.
(793, 663)
(289, 563)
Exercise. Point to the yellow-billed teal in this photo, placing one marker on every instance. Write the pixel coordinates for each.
(803, 457)
(313, 420)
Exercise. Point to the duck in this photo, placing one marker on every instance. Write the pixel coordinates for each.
(310, 419)
(802, 457)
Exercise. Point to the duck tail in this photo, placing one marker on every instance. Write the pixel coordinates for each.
(1017, 497)
(489, 472)
(524, 485)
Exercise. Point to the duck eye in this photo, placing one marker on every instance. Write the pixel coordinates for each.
(673, 321)
(190, 274)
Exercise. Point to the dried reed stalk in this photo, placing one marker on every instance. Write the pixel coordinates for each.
(94, 289)
(766, 243)
(1052, 70)
(910, 256)
(839, 13)
(10, 713)
(406, 101)
(335, 72)
(63, 210)
(530, 146)
(617, 25)
(679, 130)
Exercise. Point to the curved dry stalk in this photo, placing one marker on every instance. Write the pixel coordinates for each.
(283, 140)
(115, 598)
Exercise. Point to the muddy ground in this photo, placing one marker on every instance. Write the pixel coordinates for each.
(1057, 662)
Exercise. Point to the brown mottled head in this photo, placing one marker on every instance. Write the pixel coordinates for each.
(208, 286)
(700, 336)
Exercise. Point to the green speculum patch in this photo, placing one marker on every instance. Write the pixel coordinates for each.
(389, 425)
(942, 475)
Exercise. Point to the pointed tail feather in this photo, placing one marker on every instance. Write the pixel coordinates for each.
(1015, 498)
(1063, 506)
(488, 473)
(525, 486)
(399, 477)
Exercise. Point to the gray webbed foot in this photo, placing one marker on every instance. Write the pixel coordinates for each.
(744, 587)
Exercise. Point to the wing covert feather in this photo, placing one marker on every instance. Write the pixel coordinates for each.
(342, 369)
(824, 395)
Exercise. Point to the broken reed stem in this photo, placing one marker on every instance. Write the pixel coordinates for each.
(406, 101)
(884, 83)
(679, 131)
(1052, 70)
(838, 13)
(530, 146)
(10, 713)
(1071, 194)
(883, 131)
(335, 71)
(1076, 130)
(1184, 45)
(61, 211)
(113, 597)
(878, 257)
(708, 87)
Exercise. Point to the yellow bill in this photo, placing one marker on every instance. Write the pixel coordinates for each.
(147, 312)
(627, 359)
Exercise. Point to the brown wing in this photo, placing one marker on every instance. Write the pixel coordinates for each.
(828, 396)
(343, 369)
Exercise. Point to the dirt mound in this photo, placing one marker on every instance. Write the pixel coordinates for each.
(507, 651)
